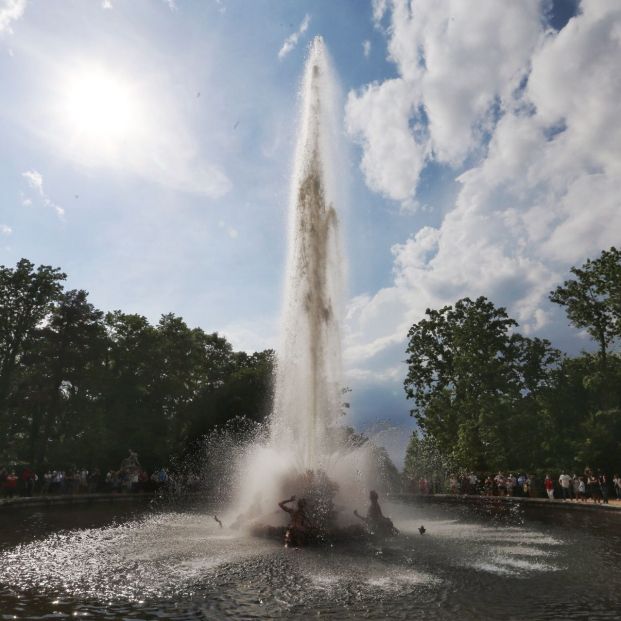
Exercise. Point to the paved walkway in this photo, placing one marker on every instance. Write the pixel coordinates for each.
(68, 499)
(613, 505)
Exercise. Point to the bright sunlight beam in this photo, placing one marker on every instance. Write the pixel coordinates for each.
(100, 108)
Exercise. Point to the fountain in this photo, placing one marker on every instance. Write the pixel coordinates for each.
(305, 438)
(308, 382)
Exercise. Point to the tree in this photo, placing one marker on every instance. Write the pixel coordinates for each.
(64, 366)
(593, 299)
(423, 458)
(474, 382)
(26, 297)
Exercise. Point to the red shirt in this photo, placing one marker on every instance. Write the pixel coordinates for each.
(11, 482)
(549, 484)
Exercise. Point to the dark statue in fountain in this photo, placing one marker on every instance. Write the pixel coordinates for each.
(376, 522)
(314, 519)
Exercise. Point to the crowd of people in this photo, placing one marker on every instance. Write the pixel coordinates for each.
(593, 486)
(129, 477)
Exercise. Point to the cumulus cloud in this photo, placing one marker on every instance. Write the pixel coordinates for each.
(10, 11)
(458, 68)
(534, 113)
(5, 229)
(35, 181)
(292, 40)
(366, 48)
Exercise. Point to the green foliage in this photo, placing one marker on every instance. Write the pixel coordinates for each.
(488, 398)
(593, 299)
(424, 458)
(80, 388)
(475, 383)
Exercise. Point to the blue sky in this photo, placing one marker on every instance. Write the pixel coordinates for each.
(484, 159)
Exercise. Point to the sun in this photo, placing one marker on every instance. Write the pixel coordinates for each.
(101, 108)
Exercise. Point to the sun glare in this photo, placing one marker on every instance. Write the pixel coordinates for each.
(100, 107)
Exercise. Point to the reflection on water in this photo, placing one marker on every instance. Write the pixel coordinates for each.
(471, 564)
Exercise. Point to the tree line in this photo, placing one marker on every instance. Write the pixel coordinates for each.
(487, 398)
(79, 387)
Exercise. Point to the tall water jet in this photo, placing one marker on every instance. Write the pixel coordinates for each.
(308, 380)
(305, 442)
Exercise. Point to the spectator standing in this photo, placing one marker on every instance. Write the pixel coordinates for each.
(473, 483)
(47, 482)
(593, 490)
(453, 483)
(501, 486)
(582, 490)
(510, 483)
(603, 487)
(488, 486)
(94, 479)
(10, 484)
(565, 483)
(617, 483)
(549, 485)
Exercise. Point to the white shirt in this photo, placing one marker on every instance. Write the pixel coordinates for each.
(564, 480)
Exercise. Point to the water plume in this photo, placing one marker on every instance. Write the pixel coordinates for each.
(306, 438)
(308, 379)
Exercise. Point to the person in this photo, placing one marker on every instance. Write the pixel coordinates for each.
(603, 487)
(549, 485)
(616, 479)
(453, 483)
(593, 490)
(565, 483)
(28, 479)
(10, 484)
(510, 482)
(501, 484)
(423, 486)
(377, 523)
(582, 490)
(576, 486)
(473, 482)
(300, 527)
(526, 485)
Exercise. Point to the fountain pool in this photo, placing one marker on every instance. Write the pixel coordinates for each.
(113, 563)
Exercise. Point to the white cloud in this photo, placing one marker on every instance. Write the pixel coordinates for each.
(458, 68)
(366, 48)
(544, 192)
(292, 40)
(380, 7)
(10, 11)
(35, 181)
(5, 230)
(106, 4)
(394, 156)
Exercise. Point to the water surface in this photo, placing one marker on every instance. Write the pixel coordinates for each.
(473, 562)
